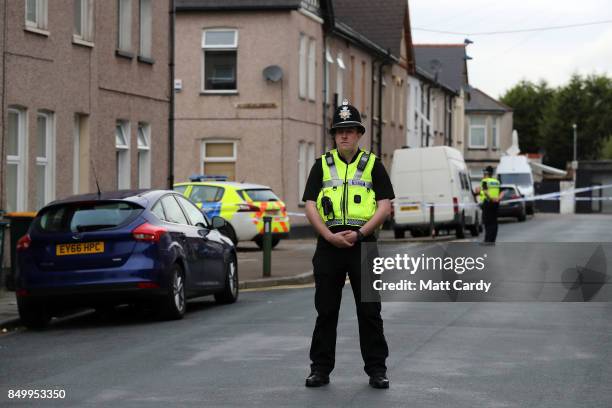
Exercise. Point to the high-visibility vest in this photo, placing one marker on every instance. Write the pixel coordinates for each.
(492, 190)
(350, 189)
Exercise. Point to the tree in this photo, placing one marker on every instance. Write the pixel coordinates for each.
(528, 102)
(587, 102)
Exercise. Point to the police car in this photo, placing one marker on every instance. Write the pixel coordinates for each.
(242, 205)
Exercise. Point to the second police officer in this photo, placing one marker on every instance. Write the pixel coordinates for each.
(347, 197)
(489, 199)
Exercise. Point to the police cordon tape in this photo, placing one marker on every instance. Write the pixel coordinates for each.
(542, 197)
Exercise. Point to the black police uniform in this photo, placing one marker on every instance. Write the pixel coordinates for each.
(331, 265)
(489, 217)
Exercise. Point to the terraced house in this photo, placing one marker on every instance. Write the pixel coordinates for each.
(85, 89)
(257, 82)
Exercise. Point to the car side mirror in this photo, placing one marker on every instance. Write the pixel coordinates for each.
(218, 222)
(200, 225)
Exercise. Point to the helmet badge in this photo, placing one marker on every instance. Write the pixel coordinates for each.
(344, 112)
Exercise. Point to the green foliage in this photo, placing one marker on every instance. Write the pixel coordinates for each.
(544, 117)
(528, 101)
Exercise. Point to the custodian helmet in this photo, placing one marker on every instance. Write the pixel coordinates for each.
(346, 116)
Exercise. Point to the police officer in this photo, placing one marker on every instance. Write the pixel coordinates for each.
(489, 198)
(347, 197)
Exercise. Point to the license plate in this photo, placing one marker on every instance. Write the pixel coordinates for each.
(79, 248)
(409, 208)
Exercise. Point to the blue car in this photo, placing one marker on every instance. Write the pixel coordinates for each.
(120, 247)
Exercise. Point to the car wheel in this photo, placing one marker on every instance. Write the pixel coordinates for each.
(522, 216)
(230, 291)
(33, 314)
(259, 242)
(460, 230)
(398, 233)
(229, 232)
(174, 304)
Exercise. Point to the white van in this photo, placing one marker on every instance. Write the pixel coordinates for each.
(433, 175)
(516, 170)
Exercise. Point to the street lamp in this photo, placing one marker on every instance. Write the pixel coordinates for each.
(575, 126)
(575, 161)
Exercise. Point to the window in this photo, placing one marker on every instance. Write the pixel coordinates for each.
(144, 155)
(83, 20)
(125, 25)
(340, 78)
(401, 97)
(194, 214)
(122, 144)
(36, 14)
(173, 211)
(206, 194)
(158, 210)
(45, 159)
(302, 69)
(329, 60)
(219, 159)
(80, 163)
(312, 49)
(495, 133)
(306, 158)
(16, 180)
(385, 96)
(146, 20)
(220, 55)
(478, 132)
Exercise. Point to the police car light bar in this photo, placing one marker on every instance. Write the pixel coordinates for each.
(207, 177)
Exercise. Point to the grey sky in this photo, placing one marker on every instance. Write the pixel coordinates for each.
(500, 61)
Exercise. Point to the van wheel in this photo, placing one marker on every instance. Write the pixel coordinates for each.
(460, 230)
(398, 233)
(174, 303)
(230, 291)
(33, 314)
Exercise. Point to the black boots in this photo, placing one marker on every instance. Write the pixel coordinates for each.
(379, 381)
(317, 379)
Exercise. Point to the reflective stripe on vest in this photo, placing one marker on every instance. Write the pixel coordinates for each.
(349, 188)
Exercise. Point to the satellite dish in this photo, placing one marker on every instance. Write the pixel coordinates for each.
(273, 73)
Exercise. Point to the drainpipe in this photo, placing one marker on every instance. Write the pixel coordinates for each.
(2, 109)
(170, 181)
(428, 115)
(325, 93)
(450, 121)
(380, 118)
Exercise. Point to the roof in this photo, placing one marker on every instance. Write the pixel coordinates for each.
(228, 5)
(481, 102)
(381, 21)
(452, 69)
(133, 195)
(224, 184)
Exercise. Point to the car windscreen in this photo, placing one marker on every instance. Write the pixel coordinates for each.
(520, 179)
(259, 195)
(508, 192)
(90, 216)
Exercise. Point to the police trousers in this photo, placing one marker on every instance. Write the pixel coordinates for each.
(489, 219)
(331, 265)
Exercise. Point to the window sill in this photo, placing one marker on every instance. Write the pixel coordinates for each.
(302, 205)
(80, 41)
(124, 54)
(219, 92)
(477, 147)
(146, 60)
(38, 31)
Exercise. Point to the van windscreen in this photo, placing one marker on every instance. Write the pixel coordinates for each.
(520, 179)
